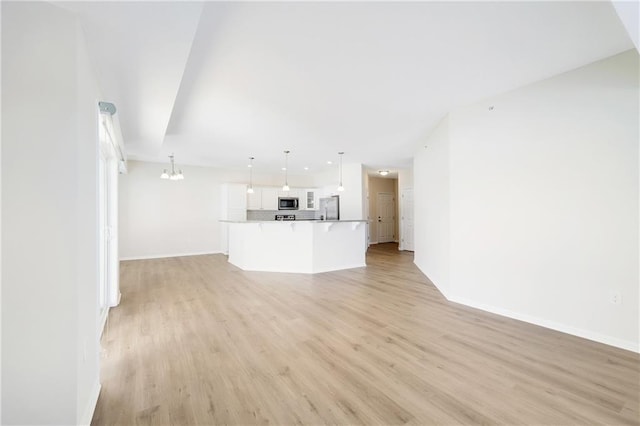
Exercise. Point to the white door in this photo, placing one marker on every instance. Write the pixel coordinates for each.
(406, 241)
(386, 217)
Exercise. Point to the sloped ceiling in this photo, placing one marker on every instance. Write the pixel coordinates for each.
(219, 82)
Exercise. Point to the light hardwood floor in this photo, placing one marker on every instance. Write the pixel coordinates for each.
(198, 341)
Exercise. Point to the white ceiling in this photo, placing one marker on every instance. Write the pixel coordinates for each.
(219, 82)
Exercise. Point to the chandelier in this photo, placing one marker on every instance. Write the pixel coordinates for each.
(173, 175)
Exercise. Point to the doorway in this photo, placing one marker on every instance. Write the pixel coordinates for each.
(386, 206)
(382, 209)
(108, 263)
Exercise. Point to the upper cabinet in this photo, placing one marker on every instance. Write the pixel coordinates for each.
(254, 201)
(233, 206)
(266, 198)
(263, 198)
(233, 201)
(292, 193)
(270, 198)
(309, 199)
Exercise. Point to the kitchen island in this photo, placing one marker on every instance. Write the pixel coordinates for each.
(297, 246)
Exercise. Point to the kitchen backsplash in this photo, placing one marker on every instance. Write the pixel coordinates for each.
(271, 214)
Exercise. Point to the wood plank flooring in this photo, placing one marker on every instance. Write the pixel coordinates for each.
(198, 341)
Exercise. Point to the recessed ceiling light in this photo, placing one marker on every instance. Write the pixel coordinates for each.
(284, 168)
(383, 172)
(306, 168)
(329, 162)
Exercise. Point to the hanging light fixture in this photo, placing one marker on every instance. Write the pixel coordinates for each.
(285, 187)
(340, 187)
(250, 189)
(173, 175)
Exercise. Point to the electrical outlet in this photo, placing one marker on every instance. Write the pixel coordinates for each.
(615, 298)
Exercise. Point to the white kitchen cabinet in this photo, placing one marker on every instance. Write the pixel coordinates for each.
(236, 198)
(270, 198)
(254, 201)
(233, 206)
(292, 193)
(263, 198)
(309, 199)
(266, 198)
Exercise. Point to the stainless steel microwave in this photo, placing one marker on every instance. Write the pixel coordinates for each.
(287, 203)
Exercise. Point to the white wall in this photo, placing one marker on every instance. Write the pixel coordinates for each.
(544, 203)
(431, 207)
(161, 218)
(87, 234)
(405, 181)
(49, 219)
(351, 199)
(629, 14)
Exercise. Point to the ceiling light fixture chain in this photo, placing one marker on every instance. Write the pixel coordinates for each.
(173, 175)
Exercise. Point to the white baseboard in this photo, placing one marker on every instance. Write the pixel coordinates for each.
(322, 270)
(164, 256)
(553, 325)
(91, 405)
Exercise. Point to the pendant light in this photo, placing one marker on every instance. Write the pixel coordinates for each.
(250, 189)
(340, 187)
(173, 175)
(285, 187)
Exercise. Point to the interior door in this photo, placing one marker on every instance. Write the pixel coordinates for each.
(406, 242)
(386, 217)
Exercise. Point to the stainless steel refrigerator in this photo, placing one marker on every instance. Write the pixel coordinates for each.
(330, 207)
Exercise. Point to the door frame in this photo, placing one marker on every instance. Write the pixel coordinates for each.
(108, 262)
(403, 220)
